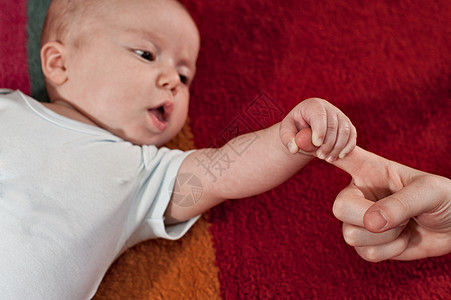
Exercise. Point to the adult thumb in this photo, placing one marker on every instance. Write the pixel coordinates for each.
(394, 210)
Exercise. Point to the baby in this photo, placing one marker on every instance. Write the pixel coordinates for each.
(82, 178)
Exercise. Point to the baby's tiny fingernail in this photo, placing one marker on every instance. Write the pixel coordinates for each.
(320, 155)
(292, 147)
(317, 142)
(330, 159)
(342, 155)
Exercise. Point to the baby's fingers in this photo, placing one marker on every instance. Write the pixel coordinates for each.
(340, 138)
(330, 135)
(345, 141)
(351, 143)
(287, 133)
(318, 120)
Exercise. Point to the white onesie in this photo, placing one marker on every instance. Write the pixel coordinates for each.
(72, 198)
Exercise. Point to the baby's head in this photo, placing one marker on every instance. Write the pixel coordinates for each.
(124, 64)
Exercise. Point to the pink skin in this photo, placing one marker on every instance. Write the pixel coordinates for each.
(132, 77)
(304, 141)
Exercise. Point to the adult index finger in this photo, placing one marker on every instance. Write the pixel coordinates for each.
(304, 141)
(357, 161)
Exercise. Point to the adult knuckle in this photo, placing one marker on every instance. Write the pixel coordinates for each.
(351, 236)
(370, 254)
(338, 207)
(401, 202)
(432, 181)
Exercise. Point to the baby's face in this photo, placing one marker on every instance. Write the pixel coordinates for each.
(132, 76)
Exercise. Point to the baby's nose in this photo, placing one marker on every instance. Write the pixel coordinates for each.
(169, 79)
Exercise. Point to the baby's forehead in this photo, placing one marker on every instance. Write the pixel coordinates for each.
(72, 13)
(75, 21)
(63, 15)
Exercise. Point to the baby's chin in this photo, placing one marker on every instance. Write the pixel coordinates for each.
(146, 142)
(142, 136)
(157, 141)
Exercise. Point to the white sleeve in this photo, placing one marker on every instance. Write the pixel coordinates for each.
(161, 168)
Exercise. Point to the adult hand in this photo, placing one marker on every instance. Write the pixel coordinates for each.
(391, 211)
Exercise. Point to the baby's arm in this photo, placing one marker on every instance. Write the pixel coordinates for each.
(259, 161)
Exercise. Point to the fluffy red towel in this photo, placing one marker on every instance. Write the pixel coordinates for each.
(386, 64)
(13, 52)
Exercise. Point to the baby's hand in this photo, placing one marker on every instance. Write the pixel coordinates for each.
(333, 134)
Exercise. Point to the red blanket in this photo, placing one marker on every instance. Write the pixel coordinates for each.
(386, 64)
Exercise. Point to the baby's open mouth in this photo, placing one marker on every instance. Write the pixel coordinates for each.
(160, 115)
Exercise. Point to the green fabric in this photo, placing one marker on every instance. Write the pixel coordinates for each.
(36, 11)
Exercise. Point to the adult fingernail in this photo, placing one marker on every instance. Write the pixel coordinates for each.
(377, 220)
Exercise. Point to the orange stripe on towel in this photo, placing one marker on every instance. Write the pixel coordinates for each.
(161, 269)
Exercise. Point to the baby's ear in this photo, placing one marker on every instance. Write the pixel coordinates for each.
(53, 63)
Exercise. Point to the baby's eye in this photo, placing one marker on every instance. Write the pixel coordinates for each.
(146, 55)
(184, 79)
